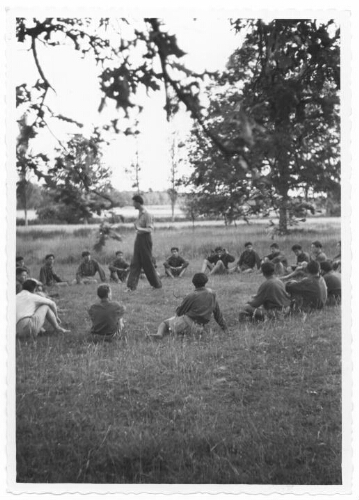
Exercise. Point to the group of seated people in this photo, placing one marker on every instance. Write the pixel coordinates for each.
(317, 283)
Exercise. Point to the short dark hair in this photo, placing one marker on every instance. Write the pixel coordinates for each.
(85, 253)
(19, 258)
(49, 255)
(296, 247)
(30, 285)
(138, 198)
(199, 279)
(103, 291)
(248, 243)
(175, 248)
(20, 270)
(326, 266)
(118, 251)
(217, 249)
(313, 267)
(317, 244)
(274, 245)
(267, 268)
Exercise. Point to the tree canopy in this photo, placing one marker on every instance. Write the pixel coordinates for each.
(277, 109)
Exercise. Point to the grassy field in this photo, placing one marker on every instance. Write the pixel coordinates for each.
(261, 405)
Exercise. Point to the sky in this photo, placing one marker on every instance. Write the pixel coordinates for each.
(208, 43)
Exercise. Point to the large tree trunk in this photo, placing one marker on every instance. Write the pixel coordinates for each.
(283, 218)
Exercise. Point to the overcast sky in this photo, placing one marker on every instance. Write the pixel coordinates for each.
(208, 43)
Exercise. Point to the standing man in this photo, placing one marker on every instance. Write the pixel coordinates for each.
(142, 252)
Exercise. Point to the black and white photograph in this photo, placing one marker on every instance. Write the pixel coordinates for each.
(178, 200)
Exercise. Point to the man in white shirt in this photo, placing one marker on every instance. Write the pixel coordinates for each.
(32, 310)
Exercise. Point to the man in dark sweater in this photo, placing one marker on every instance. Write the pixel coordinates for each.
(300, 255)
(195, 312)
(175, 266)
(119, 268)
(48, 277)
(217, 263)
(248, 260)
(310, 293)
(277, 258)
(333, 281)
(106, 316)
(271, 299)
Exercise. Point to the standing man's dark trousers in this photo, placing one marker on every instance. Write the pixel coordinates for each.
(142, 259)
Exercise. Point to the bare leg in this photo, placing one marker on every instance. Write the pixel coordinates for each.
(206, 265)
(219, 268)
(182, 272)
(51, 318)
(161, 331)
(169, 272)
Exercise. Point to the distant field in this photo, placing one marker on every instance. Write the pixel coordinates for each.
(261, 405)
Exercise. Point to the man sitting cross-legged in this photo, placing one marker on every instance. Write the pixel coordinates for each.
(48, 277)
(277, 258)
(271, 299)
(309, 293)
(87, 270)
(217, 263)
(119, 269)
(333, 281)
(175, 266)
(106, 315)
(248, 260)
(317, 253)
(195, 312)
(300, 255)
(32, 310)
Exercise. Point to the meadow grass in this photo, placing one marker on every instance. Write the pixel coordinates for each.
(260, 405)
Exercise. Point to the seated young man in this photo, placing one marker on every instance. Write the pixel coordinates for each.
(175, 266)
(271, 299)
(337, 261)
(21, 277)
(48, 277)
(87, 270)
(106, 315)
(300, 255)
(32, 310)
(248, 260)
(333, 281)
(299, 272)
(119, 268)
(317, 254)
(194, 314)
(20, 262)
(217, 263)
(311, 292)
(277, 258)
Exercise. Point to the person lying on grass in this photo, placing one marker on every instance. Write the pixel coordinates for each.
(217, 263)
(175, 266)
(271, 299)
(87, 270)
(333, 281)
(119, 268)
(311, 292)
(194, 314)
(106, 315)
(248, 260)
(32, 310)
(48, 277)
(21, 277)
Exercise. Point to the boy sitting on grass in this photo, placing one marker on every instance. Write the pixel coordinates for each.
(32, 310)
(333, 280)
(271, 299)
(106, 315)
(195, 312)
(310, 293)
(175, 266)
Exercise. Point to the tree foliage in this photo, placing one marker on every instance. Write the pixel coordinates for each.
(277, 109)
